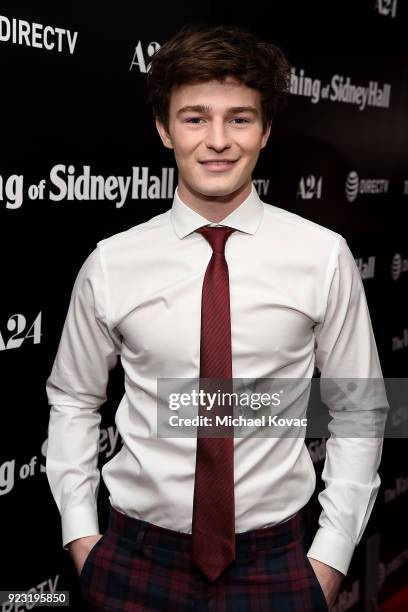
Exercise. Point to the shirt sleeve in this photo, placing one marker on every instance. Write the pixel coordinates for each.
(345, 350)
(76, 388)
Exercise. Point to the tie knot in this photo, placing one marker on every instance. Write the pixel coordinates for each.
(216, 236)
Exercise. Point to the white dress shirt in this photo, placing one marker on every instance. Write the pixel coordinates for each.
(297, 300)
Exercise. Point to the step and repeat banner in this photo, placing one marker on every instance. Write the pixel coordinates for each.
(80, 160)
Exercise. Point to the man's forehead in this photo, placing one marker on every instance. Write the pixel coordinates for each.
(206, 108)
(211, 96)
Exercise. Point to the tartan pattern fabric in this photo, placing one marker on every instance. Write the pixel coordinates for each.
(139, 566)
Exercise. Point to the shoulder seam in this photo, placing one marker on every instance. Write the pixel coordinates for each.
(135, 229)
(108, 314)
(295, 218)
(329, 276)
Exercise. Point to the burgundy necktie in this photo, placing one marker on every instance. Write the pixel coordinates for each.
(213, 524)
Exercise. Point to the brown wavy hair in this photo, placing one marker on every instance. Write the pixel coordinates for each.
(201, 52)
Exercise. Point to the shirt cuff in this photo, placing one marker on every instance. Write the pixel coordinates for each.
(79, 522)
(332, 548)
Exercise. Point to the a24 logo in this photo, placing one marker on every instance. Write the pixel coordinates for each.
(139, 57)
(388, 8)
(17, 323)
(310, 187)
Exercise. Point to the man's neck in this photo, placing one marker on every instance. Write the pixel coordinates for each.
(213, 208)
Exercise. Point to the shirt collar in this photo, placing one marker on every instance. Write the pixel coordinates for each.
(246, 218)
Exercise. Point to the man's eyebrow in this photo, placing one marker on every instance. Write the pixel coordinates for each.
(201, 108)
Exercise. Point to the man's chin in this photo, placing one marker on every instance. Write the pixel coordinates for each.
(215, 190)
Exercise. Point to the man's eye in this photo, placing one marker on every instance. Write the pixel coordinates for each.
(195, 120)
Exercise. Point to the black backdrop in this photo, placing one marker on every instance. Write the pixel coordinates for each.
(75, 97)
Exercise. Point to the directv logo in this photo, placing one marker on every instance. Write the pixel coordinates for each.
(355, 186)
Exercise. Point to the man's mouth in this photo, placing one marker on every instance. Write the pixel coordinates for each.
(218, 165)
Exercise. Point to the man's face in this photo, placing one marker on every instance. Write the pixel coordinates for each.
(209, 123)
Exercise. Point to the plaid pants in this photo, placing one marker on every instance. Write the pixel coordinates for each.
(138, 566)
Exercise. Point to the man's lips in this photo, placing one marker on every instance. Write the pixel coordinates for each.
(218, 165)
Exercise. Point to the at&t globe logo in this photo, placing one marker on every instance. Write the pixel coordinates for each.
(352, 184)
(398, 265)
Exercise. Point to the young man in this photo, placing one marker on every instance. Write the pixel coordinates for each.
(220, 285)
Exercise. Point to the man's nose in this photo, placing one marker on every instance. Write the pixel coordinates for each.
(217, 135)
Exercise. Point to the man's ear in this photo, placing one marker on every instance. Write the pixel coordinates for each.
(164, 135)
(266, 134)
